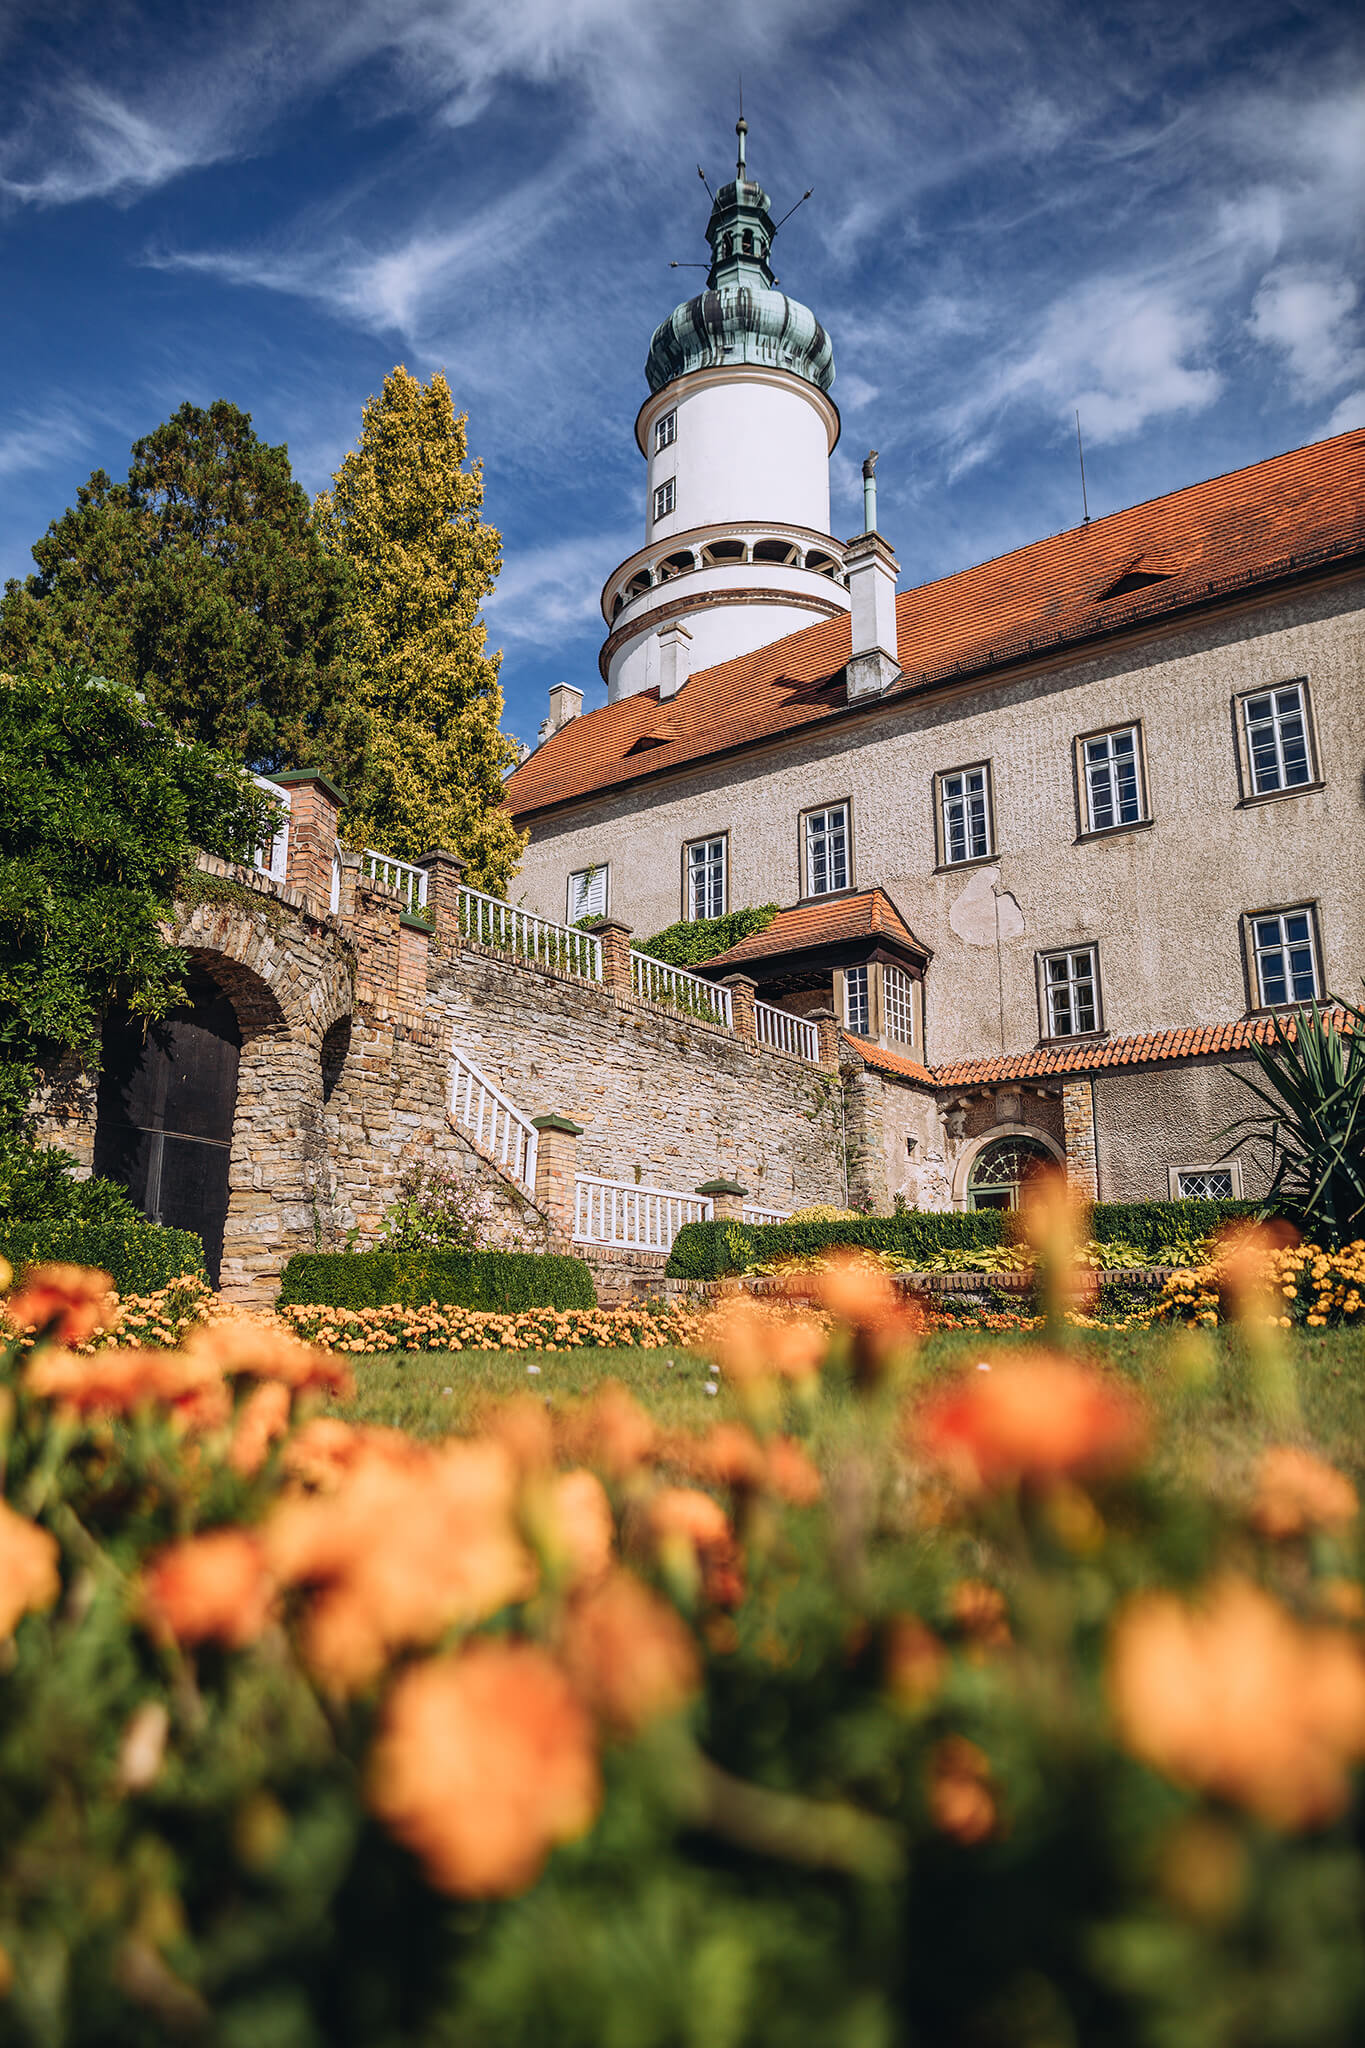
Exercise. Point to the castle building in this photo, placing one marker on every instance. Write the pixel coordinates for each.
(1055, 836)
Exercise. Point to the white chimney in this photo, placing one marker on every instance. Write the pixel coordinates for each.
(565, 703)
(871, 570)
(675, 658)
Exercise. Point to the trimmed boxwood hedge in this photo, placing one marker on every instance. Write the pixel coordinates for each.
(140, 1257)
(708, 1251)
(501, 1282)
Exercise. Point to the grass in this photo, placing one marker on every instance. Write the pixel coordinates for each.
(1200, 1387)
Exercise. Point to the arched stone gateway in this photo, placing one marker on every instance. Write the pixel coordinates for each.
(996, 1171)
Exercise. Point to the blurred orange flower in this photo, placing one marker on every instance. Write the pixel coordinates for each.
(74, 1299)
(791, 1473)
(915, 1661)
(752, 1343)
(117, 1382)
(29, 1581)
(241, 1346)
(210, 1588)
(980, 1612)
(629, 1654)
(1038, 1420)
(1296, 1491)
(484, 1762)
(961, 1801)
(696, 1542)
(406, 1546)
(611, 1430)
(325, 1449)
(580, 1529)
(264, 1418)
(1236, 1698)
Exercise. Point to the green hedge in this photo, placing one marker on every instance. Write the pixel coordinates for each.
(708, 1251)
(140, 1257)
(498, 1281)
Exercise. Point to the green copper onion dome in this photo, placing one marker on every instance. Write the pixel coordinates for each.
(741, 317)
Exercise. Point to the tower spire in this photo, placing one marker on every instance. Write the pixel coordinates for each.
(741, 130)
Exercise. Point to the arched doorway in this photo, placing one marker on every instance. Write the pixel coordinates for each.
(167, 1099)
(1002, 1170)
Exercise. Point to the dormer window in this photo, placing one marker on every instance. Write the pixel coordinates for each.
(664, 499)
(666, 430)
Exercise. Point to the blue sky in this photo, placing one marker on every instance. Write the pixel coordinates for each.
(1151, 211)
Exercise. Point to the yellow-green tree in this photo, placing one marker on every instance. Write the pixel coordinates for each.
(405, 514)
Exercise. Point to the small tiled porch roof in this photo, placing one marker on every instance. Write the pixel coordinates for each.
(866, 915)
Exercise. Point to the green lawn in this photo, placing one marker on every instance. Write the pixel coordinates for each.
(1201, 1390)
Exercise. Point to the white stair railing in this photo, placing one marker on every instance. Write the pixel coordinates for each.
(497, 1127)
(638, 1219)
(752, 1215)
(401, 876)
(787, 1033)
(654, 981)
(272, 857)
(488, 921)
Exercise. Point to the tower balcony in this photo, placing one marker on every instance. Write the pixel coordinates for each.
(736, 556)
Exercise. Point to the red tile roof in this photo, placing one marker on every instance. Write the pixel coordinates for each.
(898, 1063)
(829, 920)
(1090, 1057)
(1300, 511)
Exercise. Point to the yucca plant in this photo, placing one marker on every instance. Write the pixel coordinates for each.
(1312, 1122)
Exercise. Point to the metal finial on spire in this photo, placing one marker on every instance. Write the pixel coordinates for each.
(741, 130)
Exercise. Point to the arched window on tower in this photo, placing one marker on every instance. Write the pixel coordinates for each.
(724, 248)
(748, 241)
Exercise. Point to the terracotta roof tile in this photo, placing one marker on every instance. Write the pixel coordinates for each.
(1275, 519)
(898, 1063)
(1092, 1056)
(828, 920)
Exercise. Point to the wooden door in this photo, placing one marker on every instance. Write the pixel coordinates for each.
(167, 1098)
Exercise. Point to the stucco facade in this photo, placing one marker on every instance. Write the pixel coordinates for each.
(1164, 901)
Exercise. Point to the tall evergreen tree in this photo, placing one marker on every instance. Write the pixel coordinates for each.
(203, 583)
(405, 517)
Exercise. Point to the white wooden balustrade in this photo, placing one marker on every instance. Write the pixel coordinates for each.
(491, 922)
(497, 1127)
(639, 1219)
(656, 982)
(752, 1215)
(272, 858)
(399, 875)
(787, 1033)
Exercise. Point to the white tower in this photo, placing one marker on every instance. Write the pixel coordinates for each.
(736, 433)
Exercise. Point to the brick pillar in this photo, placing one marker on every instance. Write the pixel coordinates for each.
(615, 938)
(556, 1166)
(827, 1024)
(350, 881)
(743, 988)
(315, 804)
(727, 1199)
(414, 948)
(445, 873)
(378, 942)
(1078, 1121)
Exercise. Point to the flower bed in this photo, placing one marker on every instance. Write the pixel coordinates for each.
(433, 1328)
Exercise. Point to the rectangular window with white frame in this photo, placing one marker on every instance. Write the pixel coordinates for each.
(898, 1002)
(665, 498)
(826, 850)
(965, 825)
(1276, 736)
(857, 1008)
(705, 877)
(1284, 957)
(1221, 1183)
(589, 892)
(1070, 987)
(666, 430)
(1113, 791)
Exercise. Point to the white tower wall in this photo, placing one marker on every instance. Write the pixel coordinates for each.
(717, 635)
(749, 444)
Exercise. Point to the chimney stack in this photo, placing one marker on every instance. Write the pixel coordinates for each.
(675, 659)
(872, 569)
(565, 703)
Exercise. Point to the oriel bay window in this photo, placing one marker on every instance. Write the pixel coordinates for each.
(826, 859)
(704, 877)
(1283, 956)
(1070, 992)
(1111, 779)
(965, 828)
(857, 1007)
(898, 1002)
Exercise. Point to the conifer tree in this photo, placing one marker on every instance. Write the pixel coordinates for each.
(405, 516)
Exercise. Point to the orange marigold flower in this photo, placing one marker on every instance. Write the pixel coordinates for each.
(751, 1343)
(1296, 1491)
(485, 1762)
(682, 1511)
(68, 1302)
(238, 1346)
(117, 1382)
(915, 1661)
(629, 1654)
(1236, 1698)
(579, 1526)
(523, 1425)
(210, 1588)
(1039, 1420)
(791, 1473)
(263, 1420)
(612, 1430)
(29, 1581)
(980, 1612)
(731, 1455)
(961, 1801)
(409, 1543)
